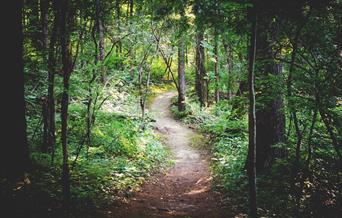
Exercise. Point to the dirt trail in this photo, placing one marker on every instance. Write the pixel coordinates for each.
(184, 190)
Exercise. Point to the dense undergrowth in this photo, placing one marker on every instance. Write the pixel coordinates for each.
(124, 151)
(227, 130)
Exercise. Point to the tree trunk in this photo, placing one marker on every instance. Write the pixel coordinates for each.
(289, 95)
(142, 94)
(14, 156)
(243, 84)
(49, 123)
(64, 118)
(335, 142)
(270, 121)
(44, 8)
(117, 9)
(201, 80)
(44, 13)
(271, 130)
(44, 147)
(186, 55)
(299, 134)
(181, 74)
(131, 5)
(66, 68)
(100, 30)
(118, 47)
(313, 122)
(229, 60)
(242, 88)
(251, 159)
(197, 70)
(101, 50)
(217, 76)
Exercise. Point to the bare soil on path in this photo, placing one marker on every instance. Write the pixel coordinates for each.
(185, 189)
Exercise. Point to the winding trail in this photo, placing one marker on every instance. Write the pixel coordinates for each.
(184, 190)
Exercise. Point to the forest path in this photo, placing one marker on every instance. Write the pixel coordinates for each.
(185, 189)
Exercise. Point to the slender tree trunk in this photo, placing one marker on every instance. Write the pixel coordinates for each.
(44, 9)
(167, 60)
(44, 147)
(186, 55)
(89, 116)
(327, 122)
(100, 30)
(197, 70)
(289, 94)
(243, 84)
(251, 169)
(49, 135)
(168, 73)
(118, 47)
(140, 79)
(131, 51)
(67, 68)
(229, 60)
(181, 74)
(288, 133)
(64, 118)
(44, 13)
(242, 88)
(118, 14)
(295, 169)
(90, 104)
(143, 93)
(313, 122)
(101, 50)
(131, 5)
(217, 76)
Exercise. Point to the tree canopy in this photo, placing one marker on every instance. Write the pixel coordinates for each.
(260, 81)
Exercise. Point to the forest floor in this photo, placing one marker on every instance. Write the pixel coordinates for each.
(185, 190)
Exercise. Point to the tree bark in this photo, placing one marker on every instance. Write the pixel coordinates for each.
(229, 60)
(117, 11)
(49, 124)
(270, 121)
(131, 5)
(118, 46)
(299, 134)
(251, 159)
(14, 155)
(143, 93)
(44, 13)
(100, 30)
(44, 7)
(289, 95)
(217, 76)
(66, 68)
(313, 122)
(101, 50)
(181, 74)
(243, 84)
(201, 80)
(335, 142)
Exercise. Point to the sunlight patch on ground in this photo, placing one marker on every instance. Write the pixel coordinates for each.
(197, 191)
(205, 179)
